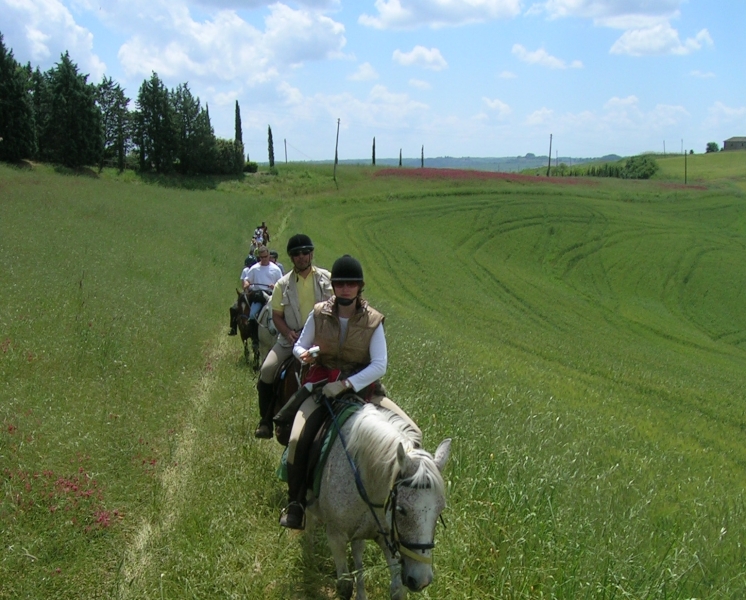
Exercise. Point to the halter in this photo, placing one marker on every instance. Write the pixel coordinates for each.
(391, 536)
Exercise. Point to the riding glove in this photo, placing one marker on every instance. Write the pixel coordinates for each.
(334, 389)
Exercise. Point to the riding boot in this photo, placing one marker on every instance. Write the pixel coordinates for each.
(293, 516)
(266, 394)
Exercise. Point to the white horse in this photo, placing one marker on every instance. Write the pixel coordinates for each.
(267, 331)
(405, 496)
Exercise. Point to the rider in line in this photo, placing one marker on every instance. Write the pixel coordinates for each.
(293, 298)
(262, 277)
(248, 263)
(352, 358)
(273, 256)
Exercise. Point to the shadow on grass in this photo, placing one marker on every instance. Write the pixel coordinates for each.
(23, 165)
(188, 182)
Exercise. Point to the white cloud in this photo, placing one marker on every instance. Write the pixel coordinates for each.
(702, 74)
(42, 30)
(657, 40)
(409, 14)
(720, 114)
(543, 58)
(365, 72)
(507, 75)
(226, 47)
(419, 84)
(619, 14)
(503, 110)
(540, 117)
(421, 57)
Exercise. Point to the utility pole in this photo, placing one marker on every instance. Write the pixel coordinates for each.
(286, 150)
(549, 166)
(336, 155)
(684, 167)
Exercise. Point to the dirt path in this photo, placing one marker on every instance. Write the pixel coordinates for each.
(174, 481)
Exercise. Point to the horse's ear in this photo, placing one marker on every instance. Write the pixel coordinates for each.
(441, 454)
(405, 463)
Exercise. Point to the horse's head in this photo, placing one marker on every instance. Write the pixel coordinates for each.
(417, 500)
(242, 303)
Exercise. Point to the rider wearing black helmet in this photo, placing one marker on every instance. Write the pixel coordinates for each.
(352, 357)
(293, 298)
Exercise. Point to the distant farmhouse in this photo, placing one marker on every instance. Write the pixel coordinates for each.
(735, 143)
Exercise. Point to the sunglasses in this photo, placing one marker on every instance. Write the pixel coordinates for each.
(304, 252)
(341, 284)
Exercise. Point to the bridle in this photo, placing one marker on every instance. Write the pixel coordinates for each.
(391, 536)
(404, 548)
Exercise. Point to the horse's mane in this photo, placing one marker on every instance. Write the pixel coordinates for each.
(373, 439)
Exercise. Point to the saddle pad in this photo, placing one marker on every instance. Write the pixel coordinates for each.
(316, 465)
(329, 439)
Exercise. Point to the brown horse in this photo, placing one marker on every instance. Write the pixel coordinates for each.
(261, 339)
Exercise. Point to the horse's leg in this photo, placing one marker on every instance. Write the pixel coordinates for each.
(397, 590)
(357, 556)
(338, 545)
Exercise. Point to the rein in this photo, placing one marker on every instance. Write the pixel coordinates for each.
(393, 541)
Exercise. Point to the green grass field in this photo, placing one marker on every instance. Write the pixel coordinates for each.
(584, 343)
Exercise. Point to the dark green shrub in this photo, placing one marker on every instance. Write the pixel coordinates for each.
(250, 167)
(640, 167)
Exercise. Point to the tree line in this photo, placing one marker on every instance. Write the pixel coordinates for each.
(57, 116)
(635, 167)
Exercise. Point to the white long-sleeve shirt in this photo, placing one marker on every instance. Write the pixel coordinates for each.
(378, 352)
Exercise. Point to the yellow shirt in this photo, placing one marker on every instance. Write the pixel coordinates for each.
(306, 298)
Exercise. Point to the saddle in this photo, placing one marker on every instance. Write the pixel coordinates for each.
(323, 433)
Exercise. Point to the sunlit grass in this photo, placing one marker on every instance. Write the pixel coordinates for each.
(583, 345)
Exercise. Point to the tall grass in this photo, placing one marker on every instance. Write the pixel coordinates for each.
(584, 345)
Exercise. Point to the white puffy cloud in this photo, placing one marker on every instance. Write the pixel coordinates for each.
(409, 14)
(620, 14)
(646, 24)
(543, 58)
(502, 109)
(720, 114)
(421, 57)
(40, 31)
(226, 47)
(419, 84)
(657, 40)
(365, 72)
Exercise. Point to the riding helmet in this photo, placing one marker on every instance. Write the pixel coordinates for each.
(299, 241)
(347, 268)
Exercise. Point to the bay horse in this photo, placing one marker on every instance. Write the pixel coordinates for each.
(378, 484)
(257, 330)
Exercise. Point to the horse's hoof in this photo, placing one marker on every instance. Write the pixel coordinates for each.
(344, 589)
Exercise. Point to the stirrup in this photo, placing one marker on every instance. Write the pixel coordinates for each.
(293, 516)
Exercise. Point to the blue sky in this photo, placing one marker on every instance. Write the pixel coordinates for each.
(461, 77)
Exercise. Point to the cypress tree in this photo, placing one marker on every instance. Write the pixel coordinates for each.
(271, 147)
(374, 151)
(238, 141)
